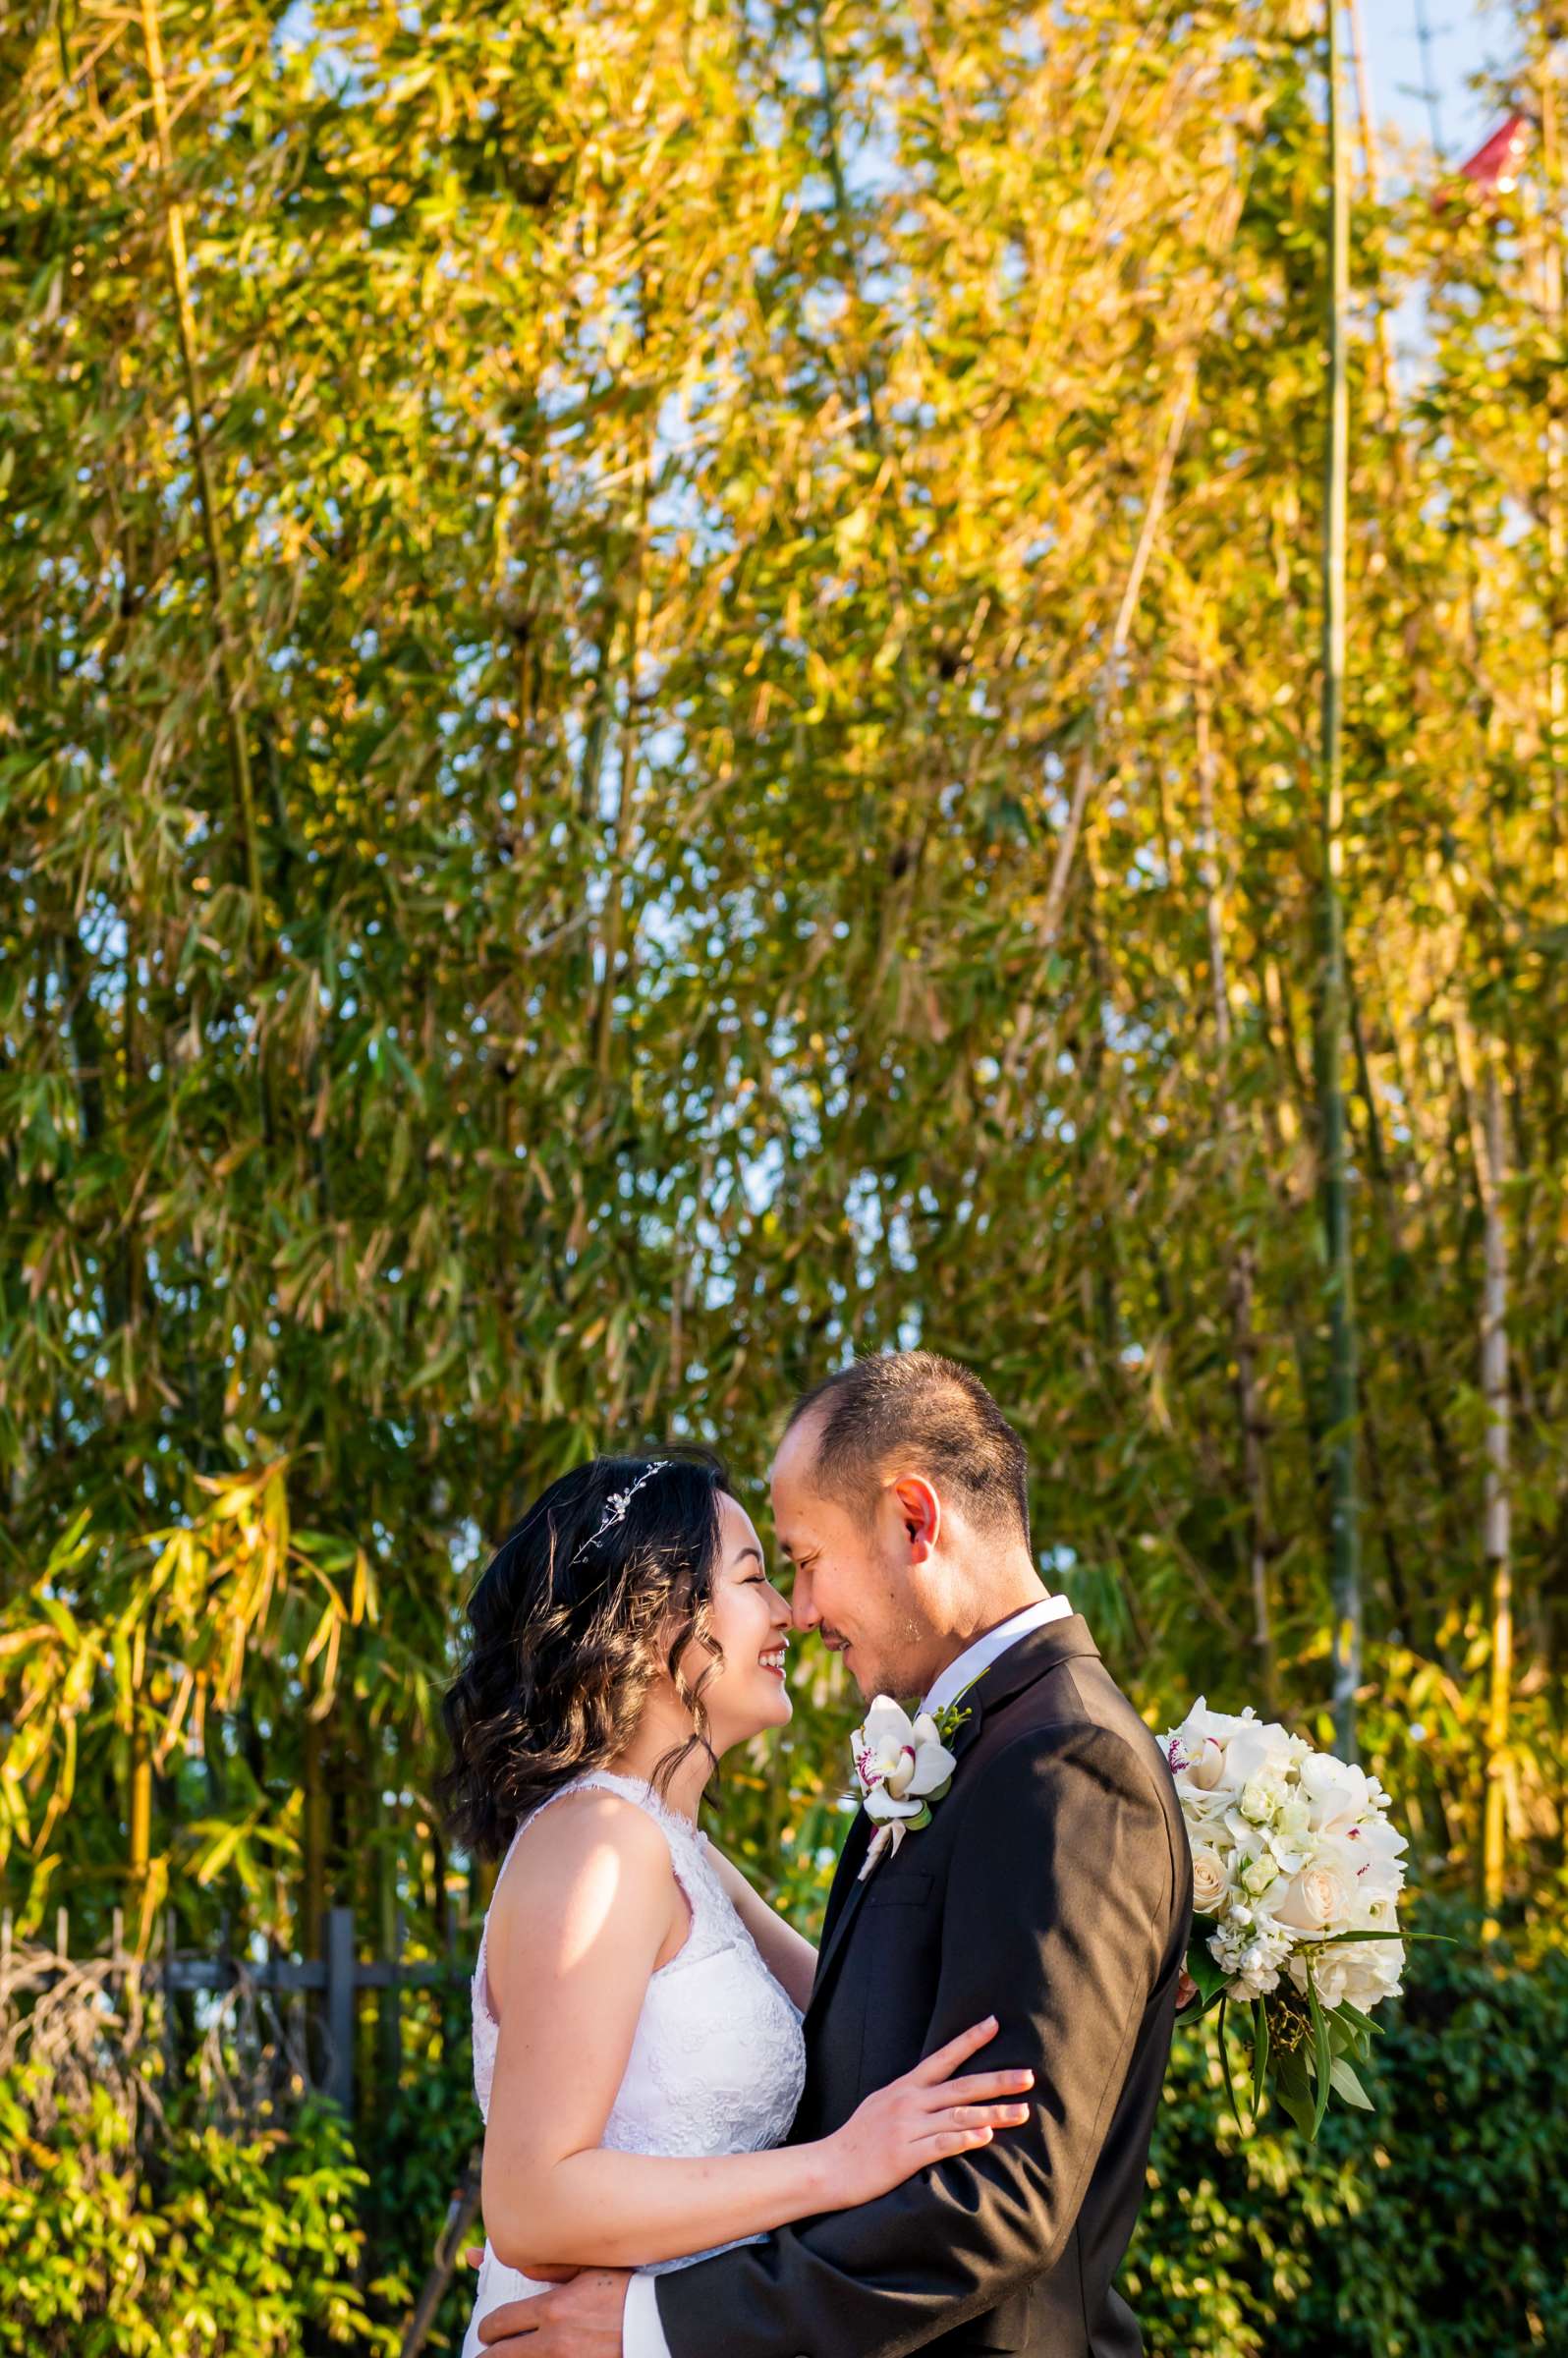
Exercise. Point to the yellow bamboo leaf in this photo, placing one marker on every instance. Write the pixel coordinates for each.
(21, 1641)
(171, 1729)
(323, 1631)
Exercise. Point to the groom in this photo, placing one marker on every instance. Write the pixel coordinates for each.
(1051, 1887)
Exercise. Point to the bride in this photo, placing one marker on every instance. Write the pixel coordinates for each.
(638, 2051)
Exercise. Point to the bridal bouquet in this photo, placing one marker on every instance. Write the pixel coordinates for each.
(1296, 1882)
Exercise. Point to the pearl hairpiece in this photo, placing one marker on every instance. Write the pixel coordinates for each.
(619, 1500)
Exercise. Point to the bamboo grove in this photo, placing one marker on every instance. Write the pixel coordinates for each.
(661, 718)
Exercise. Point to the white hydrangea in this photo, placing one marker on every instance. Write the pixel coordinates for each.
(1249, 1948)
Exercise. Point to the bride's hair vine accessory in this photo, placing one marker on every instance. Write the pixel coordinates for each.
(619, 1500)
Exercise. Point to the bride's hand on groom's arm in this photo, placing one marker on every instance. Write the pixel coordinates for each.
(932, 2113)
(929, 2114)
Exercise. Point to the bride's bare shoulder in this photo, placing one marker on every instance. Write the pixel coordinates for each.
(588, 1854)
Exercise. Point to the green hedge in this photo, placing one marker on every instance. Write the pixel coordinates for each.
(207, 2242)
(1433, 2228)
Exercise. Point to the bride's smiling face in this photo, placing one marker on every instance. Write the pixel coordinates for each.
(750, 1624)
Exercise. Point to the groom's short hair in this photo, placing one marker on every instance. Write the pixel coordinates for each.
(929, 1416)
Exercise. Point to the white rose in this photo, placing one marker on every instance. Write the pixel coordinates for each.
(1366, 1858)
(1259, 1874)
(1210, 1883)
(1315, 1899)
(1360, 1973)
(1258, 1801)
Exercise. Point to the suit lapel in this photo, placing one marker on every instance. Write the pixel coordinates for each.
(852, 1853)
(848, 1893)
(1019, 1667)
(842, 1902)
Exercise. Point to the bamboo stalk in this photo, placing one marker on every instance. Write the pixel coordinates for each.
(1343, 1403)
(1494, 1384)
(1241, 1268)
(1555, 486)
(229, 681)
(314, 1898)
(1429, 79)
(898, 897)
(389, 1931)
(869, 382)
(1413, 1344)
(626, 803)
(1484, 1095)
(1388, 369)
(1121, 632)
(139, 1815)
(600, 711)
(1109, 676)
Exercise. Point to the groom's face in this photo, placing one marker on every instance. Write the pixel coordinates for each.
(853, 1582)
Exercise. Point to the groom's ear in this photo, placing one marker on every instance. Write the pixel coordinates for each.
(921, 1513)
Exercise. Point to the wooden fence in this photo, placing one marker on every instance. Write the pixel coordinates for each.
(335, 1980)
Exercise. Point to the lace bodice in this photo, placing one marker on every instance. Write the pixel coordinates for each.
(718, 2059)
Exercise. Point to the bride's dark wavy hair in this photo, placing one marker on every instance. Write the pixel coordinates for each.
(575, 1614)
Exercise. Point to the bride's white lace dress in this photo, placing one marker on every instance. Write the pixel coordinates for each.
(718, 2062)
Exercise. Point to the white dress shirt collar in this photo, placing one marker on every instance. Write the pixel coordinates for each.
(985, 1650)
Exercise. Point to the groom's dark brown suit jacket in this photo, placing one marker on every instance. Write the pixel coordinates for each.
(1053, 1887)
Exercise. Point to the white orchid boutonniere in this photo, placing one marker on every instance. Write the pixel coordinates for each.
(901, 1766)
